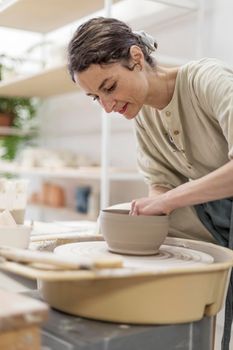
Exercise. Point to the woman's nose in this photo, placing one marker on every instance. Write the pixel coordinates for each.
(108, 104)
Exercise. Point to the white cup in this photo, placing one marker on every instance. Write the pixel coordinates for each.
(15, 236)
(13, 197)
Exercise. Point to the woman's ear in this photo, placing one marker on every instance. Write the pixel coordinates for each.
(136, 55)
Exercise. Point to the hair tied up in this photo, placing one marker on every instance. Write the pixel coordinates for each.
(149, 42)
(103, 41)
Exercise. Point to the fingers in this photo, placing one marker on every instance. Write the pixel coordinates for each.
(146, 206)
(134, 208)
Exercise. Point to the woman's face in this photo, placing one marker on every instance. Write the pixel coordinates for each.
(115, 87)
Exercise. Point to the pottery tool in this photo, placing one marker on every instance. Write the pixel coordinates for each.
(61, 262)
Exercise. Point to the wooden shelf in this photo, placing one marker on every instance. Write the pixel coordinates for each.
(44, 16)
(62, 213)
(89, 173)
(186, 4)
(49, 82)
(55, 81)
(12, 131)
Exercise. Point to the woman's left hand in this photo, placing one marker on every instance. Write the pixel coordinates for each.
(155, 205)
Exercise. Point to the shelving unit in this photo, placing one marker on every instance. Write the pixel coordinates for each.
(56, 80)
(88, 173)
(62, 212)
(6, 131)
(28, 15)
(186, 4)
(45, 15)
(52, 81)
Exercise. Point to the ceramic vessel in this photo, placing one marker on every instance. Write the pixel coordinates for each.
(15, 236)
(139, 235)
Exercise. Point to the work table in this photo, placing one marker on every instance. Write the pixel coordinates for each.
(20, 321)
(66, 332)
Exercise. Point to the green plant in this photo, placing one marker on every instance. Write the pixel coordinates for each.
(22, 109)
(23, 112)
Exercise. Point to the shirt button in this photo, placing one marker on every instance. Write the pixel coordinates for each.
(176, 132)
(168, 113)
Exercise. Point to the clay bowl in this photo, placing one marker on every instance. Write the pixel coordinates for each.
(15, 236)
(137, 235)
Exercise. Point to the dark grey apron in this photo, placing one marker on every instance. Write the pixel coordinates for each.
(217, 217)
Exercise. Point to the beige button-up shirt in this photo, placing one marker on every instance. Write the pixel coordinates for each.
(193, 135)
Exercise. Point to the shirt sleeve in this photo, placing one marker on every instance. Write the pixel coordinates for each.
(213, 85)
(151, 163)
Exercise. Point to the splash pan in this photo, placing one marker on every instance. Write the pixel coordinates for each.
(185, 281)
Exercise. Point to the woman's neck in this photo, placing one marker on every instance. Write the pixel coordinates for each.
(161, 84)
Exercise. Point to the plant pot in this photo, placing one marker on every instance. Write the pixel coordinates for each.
(6, 119)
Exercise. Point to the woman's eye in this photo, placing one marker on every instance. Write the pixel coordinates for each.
(95, 98)
(112, 88)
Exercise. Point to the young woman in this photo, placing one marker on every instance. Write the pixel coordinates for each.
(183, 118)
(184, 125)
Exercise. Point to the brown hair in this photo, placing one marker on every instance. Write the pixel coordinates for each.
(103, 41)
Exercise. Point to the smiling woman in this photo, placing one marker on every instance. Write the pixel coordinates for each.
(170, 107)
(108, 65)
(184, 126)
(115, 87)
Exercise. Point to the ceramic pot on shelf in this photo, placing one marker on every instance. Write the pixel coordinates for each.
(6, 119)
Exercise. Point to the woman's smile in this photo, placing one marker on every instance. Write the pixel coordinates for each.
(123, 109)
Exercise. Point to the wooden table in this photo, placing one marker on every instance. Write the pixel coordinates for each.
(20, 320)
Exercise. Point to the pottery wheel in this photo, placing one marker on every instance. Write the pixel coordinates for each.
(169, 256)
